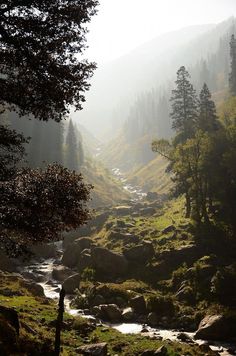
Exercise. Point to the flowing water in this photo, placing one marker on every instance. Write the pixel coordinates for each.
(43, 271)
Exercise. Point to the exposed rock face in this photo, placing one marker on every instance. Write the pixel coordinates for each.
(108, 262)
(140, 253)
(138, 304)
(93, 349)
(71, 283)
(61, 273)
(216, 327)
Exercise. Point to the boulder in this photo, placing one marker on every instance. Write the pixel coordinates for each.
(149, 211)
(140, 253)
(71, 255)
(152, 319)
(138, 304)
(71, 283)
(128, 314)
(108, 262)
(93, 349)
(168, 229)
(34, 288)
(162, 351)
(61, 273)
(85, 260)
(115, 235)
(70, 237)
(110, 312)
(83, 243)
(122, 210)
(11, 316)
(216, 327)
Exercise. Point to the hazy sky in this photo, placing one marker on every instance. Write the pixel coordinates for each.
(122, 25)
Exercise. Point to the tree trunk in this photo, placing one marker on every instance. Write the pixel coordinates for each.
(59, 322)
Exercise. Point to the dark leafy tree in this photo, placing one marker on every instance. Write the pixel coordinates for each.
(184, 106)
(37, 205)
(11, 152)
(41, 43)
(232, 76)
(207, 119)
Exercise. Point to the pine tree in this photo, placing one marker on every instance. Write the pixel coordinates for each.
(184, 106)
(207, 119)
(232, 76)
(72, 148)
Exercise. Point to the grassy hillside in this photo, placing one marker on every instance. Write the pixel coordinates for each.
(107, 190)
(152, 176)
(127, 155)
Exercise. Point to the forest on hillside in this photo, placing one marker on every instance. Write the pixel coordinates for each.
(117, 236)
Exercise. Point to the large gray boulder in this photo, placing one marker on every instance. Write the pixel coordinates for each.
(140, 253)
(73, 251)
(108, 262)
(93, 349)
(109, 312)
(216, 327)
(71, 283)
(71, 255)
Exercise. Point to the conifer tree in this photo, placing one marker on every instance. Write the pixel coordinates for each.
(184, 106)
(207, 119)
(72, 148)
(232, 76)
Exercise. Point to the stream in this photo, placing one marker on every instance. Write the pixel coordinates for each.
(136, 192)
(43, 272)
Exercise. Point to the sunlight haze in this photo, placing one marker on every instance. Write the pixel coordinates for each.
(122, 25)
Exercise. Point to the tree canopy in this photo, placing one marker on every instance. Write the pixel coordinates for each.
(41, 46)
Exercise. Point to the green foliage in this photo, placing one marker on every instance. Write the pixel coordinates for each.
(184, 105)
(88, 274)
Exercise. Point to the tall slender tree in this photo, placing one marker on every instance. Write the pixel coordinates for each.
(184, 106)
(232, 76)
(72, 148)
(207, 119)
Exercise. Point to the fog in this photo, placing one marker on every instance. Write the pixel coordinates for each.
(122, 25)
(138, 47)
